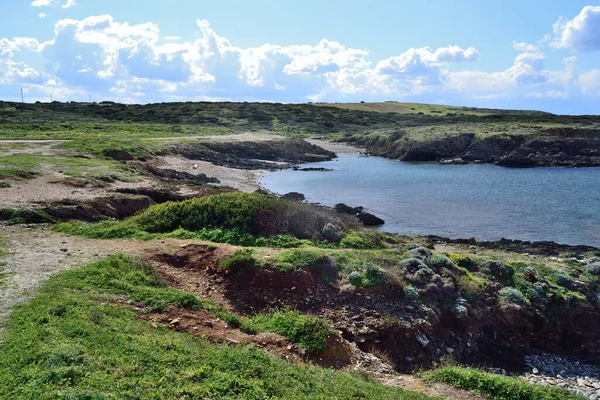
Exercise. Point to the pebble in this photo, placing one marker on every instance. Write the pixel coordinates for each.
(583, 379)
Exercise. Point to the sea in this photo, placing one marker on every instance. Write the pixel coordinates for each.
(481, 201)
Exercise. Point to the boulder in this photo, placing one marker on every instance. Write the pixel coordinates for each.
(370, 219)
(295, 196)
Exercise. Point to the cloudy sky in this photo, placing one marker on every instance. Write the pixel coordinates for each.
(525, 54)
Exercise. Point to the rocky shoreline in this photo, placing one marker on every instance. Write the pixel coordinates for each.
(563, 372)
(560, 147)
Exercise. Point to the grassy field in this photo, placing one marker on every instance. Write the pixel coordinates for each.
(407, 108)
(73, 342)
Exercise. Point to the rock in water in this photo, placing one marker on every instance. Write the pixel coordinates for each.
(370, 219)
(295, 196)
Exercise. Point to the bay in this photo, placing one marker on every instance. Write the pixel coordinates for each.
(483, 201)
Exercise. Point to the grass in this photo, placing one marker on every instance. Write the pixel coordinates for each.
(496, 386)
(4, 251)
(19, 167)
(309, 332)
(66, 343)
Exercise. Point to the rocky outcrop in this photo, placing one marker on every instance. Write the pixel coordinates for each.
(553, 147)
(365, 218)
(294, 196)
(118, 207)
(551, 151)
(266, 154)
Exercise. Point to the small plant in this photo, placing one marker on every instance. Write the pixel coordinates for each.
(355, 278)
(439, 261)
(562, 278)
(499, 270)
(469, 263)
(411, 293)
(593, 268)
(412, 265)
(420, 252)
(309, 332)
(459, 310)
(239, 261)
(514, 295)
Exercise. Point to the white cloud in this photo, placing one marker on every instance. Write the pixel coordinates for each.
(524, 47)
(116, 60)
(581, 33)
(42, 15)
(589, 82)
(41, 3)
(69, 3)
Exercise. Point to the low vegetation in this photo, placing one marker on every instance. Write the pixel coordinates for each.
(75, 341)
(236, 218)
(496, 386)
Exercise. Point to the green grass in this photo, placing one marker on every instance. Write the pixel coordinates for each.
(495, 386)
(19, 167)
(309, 332)
(235, 218)
(4, 251)
(71, 342)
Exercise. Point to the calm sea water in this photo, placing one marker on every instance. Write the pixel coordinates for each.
(483, 201)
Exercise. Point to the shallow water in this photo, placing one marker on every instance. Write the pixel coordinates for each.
(483, 201)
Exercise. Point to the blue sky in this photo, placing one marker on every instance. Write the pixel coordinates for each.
(526, 54)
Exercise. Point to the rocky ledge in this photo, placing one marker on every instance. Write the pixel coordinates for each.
(567, 147)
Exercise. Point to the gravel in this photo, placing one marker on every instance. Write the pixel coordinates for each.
(562, 372)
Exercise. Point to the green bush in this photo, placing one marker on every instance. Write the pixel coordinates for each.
(239, 261)
(296, 259)
(514, 295)
(497, 387)
(362, 240)
(439, 261)
(248, 213)
(309, 332)
(467, 262)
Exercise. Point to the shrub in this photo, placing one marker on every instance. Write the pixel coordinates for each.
(469, 263)
(412, 265)
(459, 310)
(296, 259)
(439, 261)
(411, 293)
(362, 240)
(420, 252)
(309, 332)
(514, 295)
(593, 268)
(355, 278)
(239, 261)
(562, 278)
(499, 270)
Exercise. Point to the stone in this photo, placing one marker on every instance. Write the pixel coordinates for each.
(295, 196)
(370, 219)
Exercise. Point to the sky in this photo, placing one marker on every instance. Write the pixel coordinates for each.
(525, 54)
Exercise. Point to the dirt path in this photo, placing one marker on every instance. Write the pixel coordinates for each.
(34, 254)
(416, 384)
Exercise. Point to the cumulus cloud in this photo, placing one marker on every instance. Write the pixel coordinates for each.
(581, 33)
(42, 15)
(41, 3)
(589, 82)
(116, 60)
(69, 3)
(524, 47)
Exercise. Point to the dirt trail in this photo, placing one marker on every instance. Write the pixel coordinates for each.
(34, 254)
